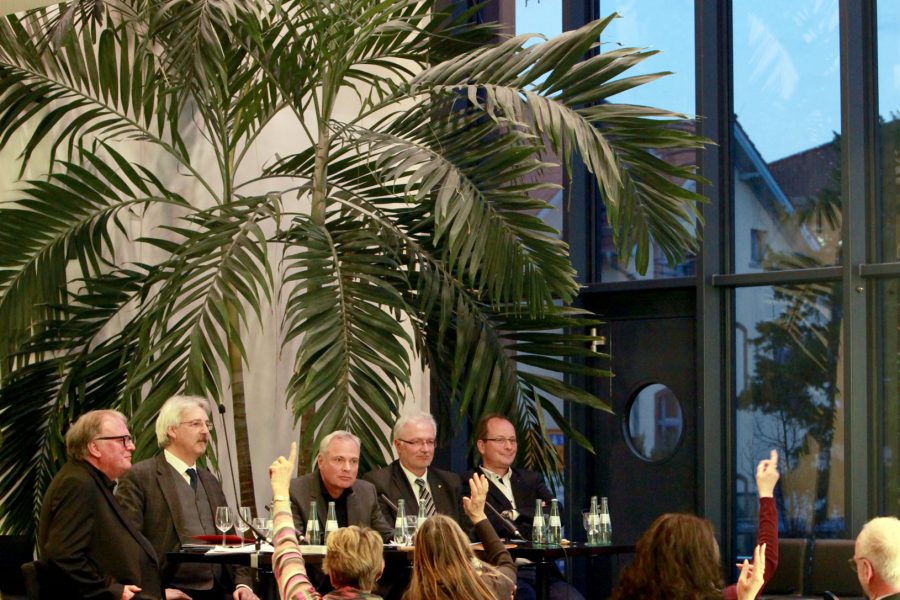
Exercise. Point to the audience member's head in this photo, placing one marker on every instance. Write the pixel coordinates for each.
(444, 566)
(414, 440)
(877, 557)
(354, 558)
(101, 438)
(495, 438)
(182, 427)
(338, 461)
(677, 557)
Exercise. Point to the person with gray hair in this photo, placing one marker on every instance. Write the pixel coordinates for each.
(412, 478)
(876, 558)
(335, 480)
(171, 499)
(88, 547)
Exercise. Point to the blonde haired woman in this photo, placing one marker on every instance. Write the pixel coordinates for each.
(444, 566)
(354, 559)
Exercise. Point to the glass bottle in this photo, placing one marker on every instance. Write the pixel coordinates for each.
(400, 535)
(605, 522)
(538, 533)
(593, 524)
(554, 528)
(331, 523)
(313, 532)
(420, 518)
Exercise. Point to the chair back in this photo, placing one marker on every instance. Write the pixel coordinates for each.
(829, 571)
(790, 574)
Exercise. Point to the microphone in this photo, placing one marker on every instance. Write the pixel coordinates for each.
(389, 503)
(509, 524)
(237, 494)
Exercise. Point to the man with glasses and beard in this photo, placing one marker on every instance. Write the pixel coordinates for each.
(87, 544)
(171, 500)
(412, 478)
(514, 492)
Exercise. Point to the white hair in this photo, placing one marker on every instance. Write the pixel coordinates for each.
(339, 434)
(170, 415)
(418, 417)
(879, 541)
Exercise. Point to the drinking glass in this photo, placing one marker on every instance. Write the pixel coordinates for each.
(223, 520)
(261, 524)
(240, 523)
(411, 523)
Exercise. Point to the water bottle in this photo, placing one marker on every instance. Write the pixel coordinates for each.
(313, 533)
(593, 524)
(331, 523)
(401, 538)
(605, 523)
(421, 516)
(554, 528)
(537, 525)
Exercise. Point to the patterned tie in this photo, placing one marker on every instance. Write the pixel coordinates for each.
(425, 498)
(192, 473)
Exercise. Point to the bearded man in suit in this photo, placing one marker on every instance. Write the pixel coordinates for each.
(89, 547)
(412, 478)
(171, 500)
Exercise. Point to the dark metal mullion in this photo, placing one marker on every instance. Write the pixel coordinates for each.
(786, 276)
(889, 270)
(858, 117)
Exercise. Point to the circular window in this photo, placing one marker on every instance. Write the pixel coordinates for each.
(655, 423)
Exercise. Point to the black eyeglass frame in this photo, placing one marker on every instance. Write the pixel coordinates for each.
(125, 439)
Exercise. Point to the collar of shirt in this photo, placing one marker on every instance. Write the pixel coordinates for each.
(179, 465)
(503, 482)
(412, 480)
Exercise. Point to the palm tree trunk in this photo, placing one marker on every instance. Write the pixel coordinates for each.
(239, 408)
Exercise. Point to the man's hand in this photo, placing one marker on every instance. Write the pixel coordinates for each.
(751, 580)
(474, 503)
(173, 594)
(281, 471)
(767, 475)
(242, 592)
(129, 591)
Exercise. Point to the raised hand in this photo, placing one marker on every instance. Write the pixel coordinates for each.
(474, 502)
(767, 475)
(751, 580)
(281, 471)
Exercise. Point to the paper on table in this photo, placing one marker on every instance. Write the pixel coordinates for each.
(248, 549)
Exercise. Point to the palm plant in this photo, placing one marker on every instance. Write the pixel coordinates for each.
(407, 225)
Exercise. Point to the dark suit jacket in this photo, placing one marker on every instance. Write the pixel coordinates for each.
(392, 482)
(362, 504)
(527, 487)
(147, 494)
(90, 546)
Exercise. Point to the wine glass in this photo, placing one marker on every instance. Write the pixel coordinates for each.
(241, 523)
(261, 524)
(223, 520)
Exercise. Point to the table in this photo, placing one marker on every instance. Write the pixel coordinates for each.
(542, 556)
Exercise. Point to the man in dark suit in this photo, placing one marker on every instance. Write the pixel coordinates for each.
(90, 547)
(411, 476)
(335, 480)
(514, 492)
(170, 500)
(876, 558)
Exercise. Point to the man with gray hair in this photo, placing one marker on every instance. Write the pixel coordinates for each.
(412, 478)
(170, 499)
(89, 547)
(876, 558)
(334, 480)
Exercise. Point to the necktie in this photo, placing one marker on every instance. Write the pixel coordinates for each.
(425, 498)
(192, 473)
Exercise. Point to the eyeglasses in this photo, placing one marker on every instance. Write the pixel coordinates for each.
(125, 439)
(852, 562)
(197, 423)
(418, 443)
(503, 441)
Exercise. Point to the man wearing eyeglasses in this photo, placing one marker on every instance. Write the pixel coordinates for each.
(412, 478)
(335, 480)
(90, 548)
(513, 492)
(876, 558)
(171, 500)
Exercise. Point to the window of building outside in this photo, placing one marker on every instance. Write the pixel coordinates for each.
(888, 292)
(786, 173)
(667, 25)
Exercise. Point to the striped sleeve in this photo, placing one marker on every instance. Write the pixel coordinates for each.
(287, 561)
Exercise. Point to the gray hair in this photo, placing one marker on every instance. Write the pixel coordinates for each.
(86, 429)
(879, 541)
(338, 434)
(417, 417)
(170, 415)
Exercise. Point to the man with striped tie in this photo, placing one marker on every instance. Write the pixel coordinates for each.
(412, 478)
